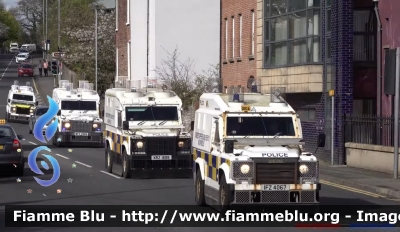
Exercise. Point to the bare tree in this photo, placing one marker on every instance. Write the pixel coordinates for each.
(180, 75)
(29, 14)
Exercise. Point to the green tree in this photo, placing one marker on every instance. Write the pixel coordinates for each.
(9, 26)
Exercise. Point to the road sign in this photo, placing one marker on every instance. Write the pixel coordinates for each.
(331, 93)
(57, 54)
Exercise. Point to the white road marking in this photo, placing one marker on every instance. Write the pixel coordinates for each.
(110, 174)
(6, 69)
(62, 156)
(83, 164)
(33, 143)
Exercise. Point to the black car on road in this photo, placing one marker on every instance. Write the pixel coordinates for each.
(11, 152)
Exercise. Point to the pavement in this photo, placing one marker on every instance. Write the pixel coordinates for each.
(92, 185)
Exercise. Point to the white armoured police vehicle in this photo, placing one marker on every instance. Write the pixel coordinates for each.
(247, 149)
(144, 134)
(21, 102)
(78, 117)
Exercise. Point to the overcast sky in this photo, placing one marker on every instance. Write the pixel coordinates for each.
(10, 3)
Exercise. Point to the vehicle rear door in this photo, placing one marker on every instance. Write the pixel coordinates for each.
(6, 140)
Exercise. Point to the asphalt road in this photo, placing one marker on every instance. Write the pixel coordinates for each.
(91, 184)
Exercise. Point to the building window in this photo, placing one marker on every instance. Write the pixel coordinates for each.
(116, 62)
(291, 32)
(129, 59)
(116, 15)
(128, 10)
(240, 35)
(306, 115)
(253, 28)
(226, 39)
(233, 37)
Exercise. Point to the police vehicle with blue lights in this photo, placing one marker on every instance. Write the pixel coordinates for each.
(21, 102)
(144, 132)
(79, 121)
(248, 149)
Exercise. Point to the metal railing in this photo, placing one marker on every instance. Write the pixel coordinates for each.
(369, 129)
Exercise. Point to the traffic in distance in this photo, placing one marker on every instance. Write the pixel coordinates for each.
(242, 148)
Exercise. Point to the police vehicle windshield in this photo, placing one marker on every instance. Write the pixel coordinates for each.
(78, 105)
(260, 126)
(21, 97)
(152, 113)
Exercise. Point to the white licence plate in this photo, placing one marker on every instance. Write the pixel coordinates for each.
(161, 157)
(275, 187)
(81, 134)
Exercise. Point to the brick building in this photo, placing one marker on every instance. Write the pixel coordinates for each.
(311, 47)
(122, 38)
(238, 41)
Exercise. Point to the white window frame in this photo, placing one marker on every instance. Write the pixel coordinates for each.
(226, 38)
(116, 64)
(129, 59)
(116, 15)
(253, 20)
(233, 37)
(240, 34)
(128, 12)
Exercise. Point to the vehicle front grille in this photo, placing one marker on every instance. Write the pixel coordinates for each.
(137, 164)
(161, 146)
(20, 110)
(80, 126)
(276, 173)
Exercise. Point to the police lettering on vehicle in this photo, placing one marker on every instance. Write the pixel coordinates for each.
(275, 155)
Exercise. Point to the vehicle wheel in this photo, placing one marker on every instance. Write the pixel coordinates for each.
(224, 195)
(55, 138)
(199, 190)
(30, 130)
(109, 161)
(20, 171)
(126, 166)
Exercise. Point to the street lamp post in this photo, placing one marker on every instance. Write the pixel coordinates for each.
(95, 49)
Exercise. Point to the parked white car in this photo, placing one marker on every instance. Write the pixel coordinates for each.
(20, 58)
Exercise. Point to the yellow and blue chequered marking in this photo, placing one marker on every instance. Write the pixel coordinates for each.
(212, 163)
(116, 140)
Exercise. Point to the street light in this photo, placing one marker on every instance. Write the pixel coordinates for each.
(95, 45)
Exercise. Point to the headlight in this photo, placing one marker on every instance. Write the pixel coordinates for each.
(13, 109)
(181, 144)
(95, 125)
(67, 125)
(245, 168)
(303, 169)
(139, 144)
(31, 110)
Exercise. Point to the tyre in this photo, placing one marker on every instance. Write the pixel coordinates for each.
(20, 170)
(126, 166)
(30, 130)
(199, 190)
(224, 195)
(109, 160)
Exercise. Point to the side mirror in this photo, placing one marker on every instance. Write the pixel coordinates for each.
(321, 140)
(59, 113)
(125, 125)
(229, 144)
(37, 103)
(9, 100)
(192, 125)
(20, 137)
